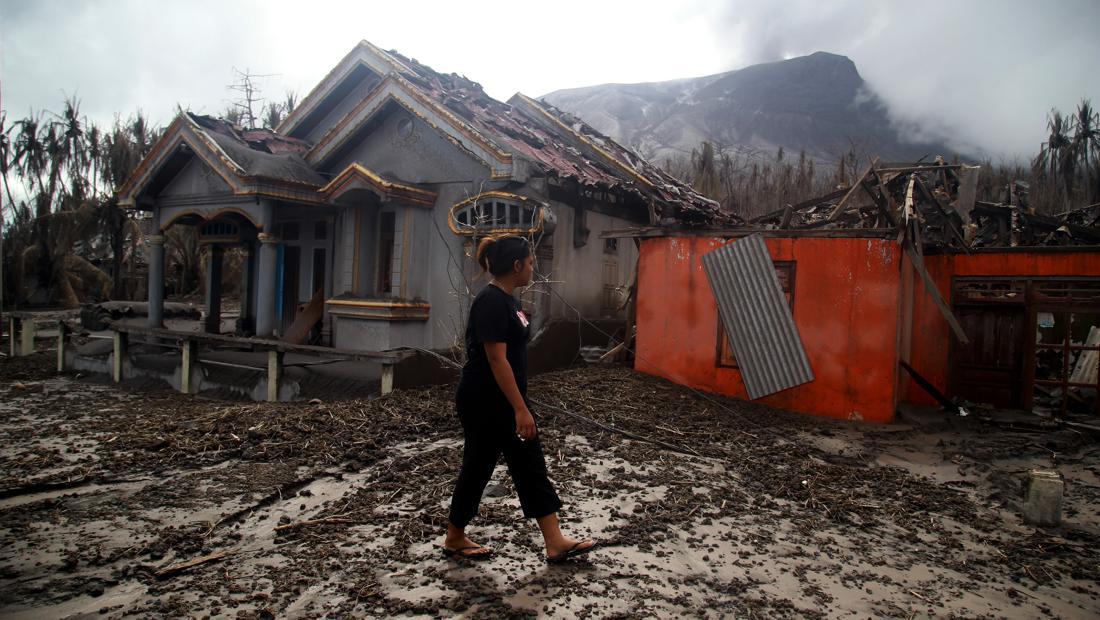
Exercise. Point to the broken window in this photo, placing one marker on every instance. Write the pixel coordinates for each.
(611, 246)
(1067, 346)
(1053, 369)
(495, 212)
(785, 271)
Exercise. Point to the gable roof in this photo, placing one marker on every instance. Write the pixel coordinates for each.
(255, 161)
(513, 140)
(552, 142)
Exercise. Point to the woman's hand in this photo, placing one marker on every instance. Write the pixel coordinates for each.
(525, 424)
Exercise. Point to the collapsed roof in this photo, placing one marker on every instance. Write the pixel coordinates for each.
(562, 145)
(551, 143)
(259, 152)
(938, 200)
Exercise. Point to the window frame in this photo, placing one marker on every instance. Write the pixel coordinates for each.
(721, 360)
(502, 206)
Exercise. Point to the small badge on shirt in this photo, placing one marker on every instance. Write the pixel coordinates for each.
(522, 318)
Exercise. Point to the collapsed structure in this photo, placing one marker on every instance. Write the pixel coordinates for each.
(359, 213)
(902, 279)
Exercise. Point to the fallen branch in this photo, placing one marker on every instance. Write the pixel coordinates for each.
(612, 429)
(179, 568)
(298, 524)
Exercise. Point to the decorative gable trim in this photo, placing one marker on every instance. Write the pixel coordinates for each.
(180, 132)
(399, 90)
(364, 54)
(185, 132)
(356, 176)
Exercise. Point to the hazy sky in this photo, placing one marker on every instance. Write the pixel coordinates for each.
(979, 74)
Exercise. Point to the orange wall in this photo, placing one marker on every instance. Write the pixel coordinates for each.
(932, 336)
(845, 306)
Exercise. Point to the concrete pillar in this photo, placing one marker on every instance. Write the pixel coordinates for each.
(62, 336)
(265, 285)
(213, 298)
(156, 280)
(13, 329)
(117, 368)
(247, 324)
(387, 378)
(27, 334)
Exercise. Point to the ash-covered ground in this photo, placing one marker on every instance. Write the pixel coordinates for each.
(118, 502)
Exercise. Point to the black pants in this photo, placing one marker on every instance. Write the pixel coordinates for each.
(489, 431)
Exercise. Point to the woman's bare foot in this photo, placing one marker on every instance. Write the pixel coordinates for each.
(568, 547)
(460, 545)
(560, 547)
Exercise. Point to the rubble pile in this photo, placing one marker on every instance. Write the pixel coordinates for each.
(940, 199)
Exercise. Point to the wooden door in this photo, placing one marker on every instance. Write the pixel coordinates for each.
(990, 368)
(292, 261)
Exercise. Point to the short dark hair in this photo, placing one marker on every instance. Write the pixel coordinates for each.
(497, 254)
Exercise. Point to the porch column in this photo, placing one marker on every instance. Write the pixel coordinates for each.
(213, 299)
(265, 285)
(156, 280)
(247, 323)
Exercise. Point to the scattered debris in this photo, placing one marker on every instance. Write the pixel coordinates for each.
(940, 197)
(334, 508)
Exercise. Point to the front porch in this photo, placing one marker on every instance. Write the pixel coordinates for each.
(303, 246)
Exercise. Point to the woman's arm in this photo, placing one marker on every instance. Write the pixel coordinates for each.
(502, 372)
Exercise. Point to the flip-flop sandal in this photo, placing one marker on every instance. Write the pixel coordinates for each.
(573, 552)
(460, 554)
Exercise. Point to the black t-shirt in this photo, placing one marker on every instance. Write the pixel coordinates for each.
(495, 316)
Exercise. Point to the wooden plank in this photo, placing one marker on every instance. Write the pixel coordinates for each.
(931, 389)
(274, 375)
(306, 319)
(187, 365)
(787, 214)
(893, 168)
(943, 210)
(851, 191)
(932, 290)
(387, 378)
(26, 334)
(880, 202)
(801, 205)
(265, 344)
(120, 340)
(62, 335)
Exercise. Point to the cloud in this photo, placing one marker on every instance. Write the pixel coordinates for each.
(976, 73)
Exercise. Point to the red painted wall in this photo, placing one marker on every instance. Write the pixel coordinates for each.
(846, 308)
(932, 336)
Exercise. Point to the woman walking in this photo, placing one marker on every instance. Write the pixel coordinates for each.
(492, 405)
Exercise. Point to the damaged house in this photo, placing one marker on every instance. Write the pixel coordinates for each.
(360, 213)
(901, 288)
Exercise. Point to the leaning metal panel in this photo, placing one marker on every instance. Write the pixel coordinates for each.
(757, 318)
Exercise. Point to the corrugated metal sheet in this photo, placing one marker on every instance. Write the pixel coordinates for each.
(757, 318)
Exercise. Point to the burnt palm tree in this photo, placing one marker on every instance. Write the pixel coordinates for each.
(1084, 147)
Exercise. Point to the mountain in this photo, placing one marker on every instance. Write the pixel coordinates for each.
(818, 103)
